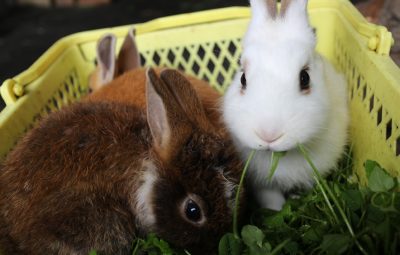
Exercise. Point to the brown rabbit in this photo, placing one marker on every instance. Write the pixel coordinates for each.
(122, 79)
(96, 175)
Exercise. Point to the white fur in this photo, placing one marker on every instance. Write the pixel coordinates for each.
(143, 205)
(272, 106)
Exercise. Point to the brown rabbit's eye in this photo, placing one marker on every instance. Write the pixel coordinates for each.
(193, 211)
(243, 81)
(304, 80)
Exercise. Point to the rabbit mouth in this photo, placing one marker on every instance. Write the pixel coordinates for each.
(269, 142)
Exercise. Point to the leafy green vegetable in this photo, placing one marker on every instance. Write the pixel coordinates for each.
(275, 157)
(335, 243)
(152, 245)
(229, 245)
(252, 236)
(93, 252)
(378, 179)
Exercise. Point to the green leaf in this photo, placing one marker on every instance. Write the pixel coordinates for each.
(164, 247)
(369, 167)
(255, 250)
(252, 236)
(229, 245)
(384, 201)
(353, 199)
(286, 211)
(275, 221)
(368, 243)
(396, 202)
(93, 252)
(379, 180)
(312, 235)
(374, 214)
(355, 218)
(335, 243)
(292, 247)
(275, 157)
(153, 246)
(383, 229)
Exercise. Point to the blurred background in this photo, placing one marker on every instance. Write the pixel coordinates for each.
(29, 27)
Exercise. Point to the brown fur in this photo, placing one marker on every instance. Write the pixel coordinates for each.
(69, 185)
(121, 79)
(130, 88)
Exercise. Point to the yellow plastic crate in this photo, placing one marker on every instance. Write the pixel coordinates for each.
(207, 44)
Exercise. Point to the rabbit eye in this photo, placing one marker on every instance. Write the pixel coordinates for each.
(243, 81)
(192, 211)
(304, 80)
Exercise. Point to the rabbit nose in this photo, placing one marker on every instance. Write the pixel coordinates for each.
(269, 137)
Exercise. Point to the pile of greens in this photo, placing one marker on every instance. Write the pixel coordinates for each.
(349, 220)
(336, 217)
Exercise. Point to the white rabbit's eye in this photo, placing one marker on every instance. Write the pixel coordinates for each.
(304, 80)
(243, 81)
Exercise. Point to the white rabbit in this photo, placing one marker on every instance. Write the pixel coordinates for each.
(286, 94)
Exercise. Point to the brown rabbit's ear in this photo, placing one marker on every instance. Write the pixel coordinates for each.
(106, 68)
(157, 113)
(168, 122)
(128, 57)
(186, 96)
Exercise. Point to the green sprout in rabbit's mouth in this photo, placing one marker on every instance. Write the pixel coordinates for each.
(275, 157)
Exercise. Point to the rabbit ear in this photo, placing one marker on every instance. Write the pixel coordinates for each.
(106, 68)
(186, 96)
(156, 113)
(295, 10)
(263, 9)
(166, 119)
(284, 6)
(128, 57)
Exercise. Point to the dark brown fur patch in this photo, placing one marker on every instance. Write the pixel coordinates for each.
(66, 184)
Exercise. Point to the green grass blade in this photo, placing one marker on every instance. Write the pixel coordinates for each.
(279, 247)
(275, 157)
(235, 212)
(318, 179)
(323, 186)
(135, 250)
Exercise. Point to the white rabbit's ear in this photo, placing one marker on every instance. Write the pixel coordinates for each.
(105, 56)
(128, 57)
(263, 10)
(284, 6)
(295, 10)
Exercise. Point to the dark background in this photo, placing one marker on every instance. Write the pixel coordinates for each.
(26, 32)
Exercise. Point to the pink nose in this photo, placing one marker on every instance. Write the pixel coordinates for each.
(269, 137)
